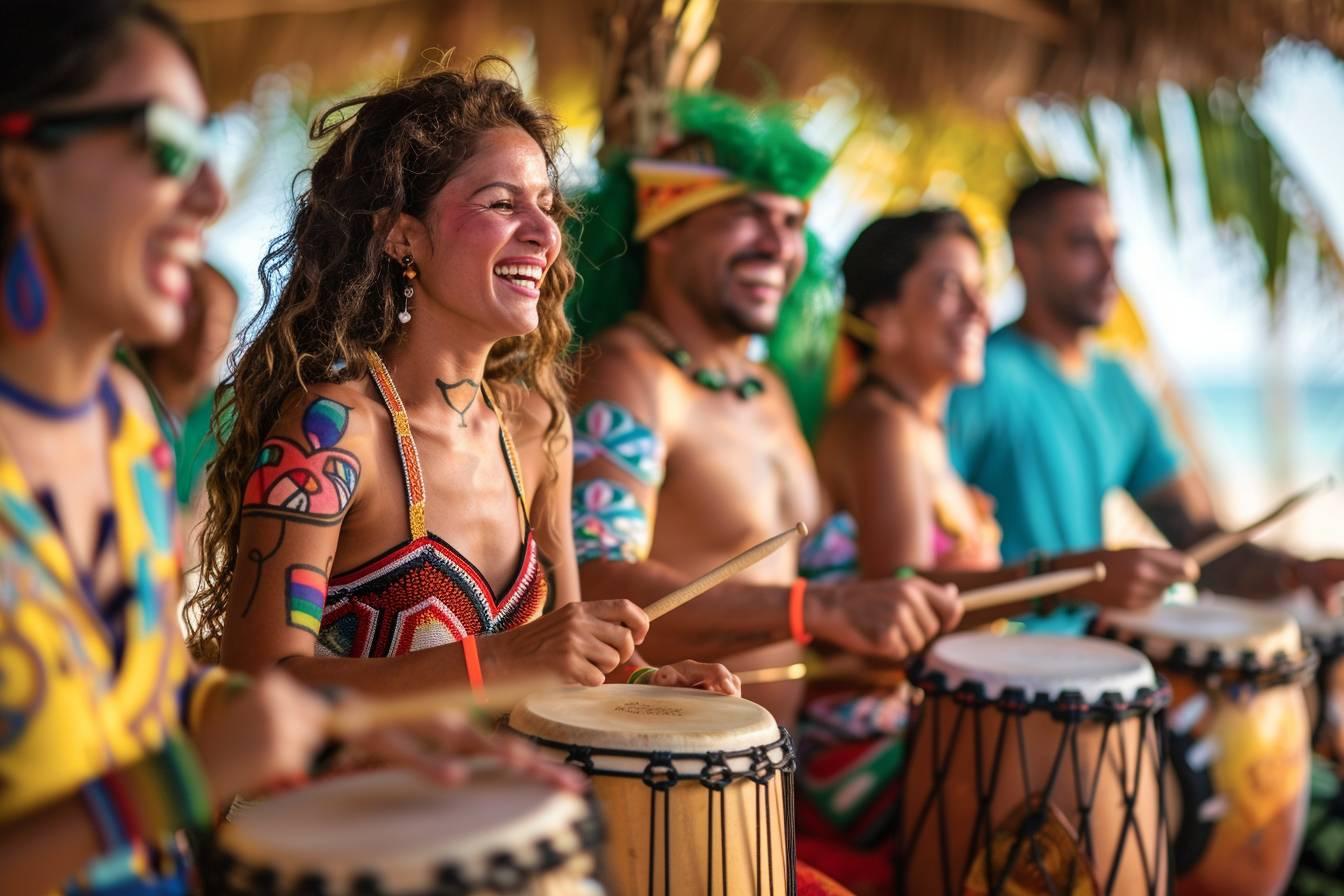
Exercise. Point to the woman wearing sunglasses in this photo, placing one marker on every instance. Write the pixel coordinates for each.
(390, 509)
(104, 195)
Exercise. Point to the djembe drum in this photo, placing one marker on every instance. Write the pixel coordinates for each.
(391, 833)
(1239, 738)
(696, 788)
(1035, 766)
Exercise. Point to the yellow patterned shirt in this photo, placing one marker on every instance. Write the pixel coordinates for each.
(79, 697)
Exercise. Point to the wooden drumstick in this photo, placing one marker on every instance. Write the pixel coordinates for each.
(847, 667)
(1215, 546)
(772, 674)
(367, 713)
(1032, 586)
(722, 572)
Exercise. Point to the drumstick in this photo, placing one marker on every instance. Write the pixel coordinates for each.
(848, 667)
(771, 674)
(360, 716)
(1032, 586)
(722, 572)
(1215, 546)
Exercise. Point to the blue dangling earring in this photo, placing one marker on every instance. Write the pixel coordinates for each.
(27, 293)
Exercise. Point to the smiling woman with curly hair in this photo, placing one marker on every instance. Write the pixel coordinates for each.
(397, 459)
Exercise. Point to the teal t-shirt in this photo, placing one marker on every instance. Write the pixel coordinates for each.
(1048, 447)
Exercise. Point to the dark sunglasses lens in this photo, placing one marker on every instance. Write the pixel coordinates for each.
(178, 144)
(173, 160)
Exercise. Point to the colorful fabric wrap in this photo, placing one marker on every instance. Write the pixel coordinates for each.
(727, 149)
(144, 803)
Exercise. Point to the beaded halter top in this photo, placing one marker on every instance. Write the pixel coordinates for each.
(424, 593)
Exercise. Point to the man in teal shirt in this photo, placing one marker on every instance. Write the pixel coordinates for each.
(1056, 424)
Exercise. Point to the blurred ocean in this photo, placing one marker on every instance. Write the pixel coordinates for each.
(1255, 453)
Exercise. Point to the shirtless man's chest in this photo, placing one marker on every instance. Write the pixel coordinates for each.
(738, 472)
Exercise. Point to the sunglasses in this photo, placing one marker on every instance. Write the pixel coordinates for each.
(177, 143)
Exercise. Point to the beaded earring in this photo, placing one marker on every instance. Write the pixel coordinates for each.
(408, 275)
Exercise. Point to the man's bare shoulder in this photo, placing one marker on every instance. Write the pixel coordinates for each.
(621, 366)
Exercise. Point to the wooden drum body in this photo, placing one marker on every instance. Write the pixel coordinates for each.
(1035, 766)
(392, 832)
(1325, 693)
(1239, 739)
(697, 788)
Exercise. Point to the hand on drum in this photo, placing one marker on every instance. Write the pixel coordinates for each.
(1136, 577)
(269, 734)
(888, 618)
(713, 677)
(579, 643)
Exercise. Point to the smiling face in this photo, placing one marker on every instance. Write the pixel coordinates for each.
(489, 237)
(939, 318)
(736, 260)
(120, 238)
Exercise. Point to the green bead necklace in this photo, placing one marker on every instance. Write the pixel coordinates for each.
(714, 380)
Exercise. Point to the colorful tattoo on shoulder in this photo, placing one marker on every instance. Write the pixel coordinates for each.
(609, 524)
(305, 597)
(310, 484)
(604, 429)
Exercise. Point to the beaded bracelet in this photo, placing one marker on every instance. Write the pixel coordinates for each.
(201, 686)
(642, 676)
(162, 793)
(797, 625)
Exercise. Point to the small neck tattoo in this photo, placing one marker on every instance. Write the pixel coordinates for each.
(709, 378)
(447, 390)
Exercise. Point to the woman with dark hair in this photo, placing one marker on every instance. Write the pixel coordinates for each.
(914, 292)
(110, 742)
(399, 457)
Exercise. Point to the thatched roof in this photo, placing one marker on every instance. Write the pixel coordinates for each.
(908, 52)
(984, 52)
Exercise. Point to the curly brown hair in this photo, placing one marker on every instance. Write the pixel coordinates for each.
(390, 153)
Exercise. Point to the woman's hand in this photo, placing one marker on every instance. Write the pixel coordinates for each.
(713, 677)
(579, 643)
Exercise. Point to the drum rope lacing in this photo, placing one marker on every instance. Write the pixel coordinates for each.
(1220, 668)
(506, 872)
(1238, 675)
(1012, 706)
(660, 775)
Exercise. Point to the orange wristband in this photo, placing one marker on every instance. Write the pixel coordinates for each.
(473, 667)
(796, 627)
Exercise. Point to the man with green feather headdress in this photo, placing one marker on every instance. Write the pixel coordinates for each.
(687, 447)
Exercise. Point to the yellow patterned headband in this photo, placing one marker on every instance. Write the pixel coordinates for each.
(666, 192)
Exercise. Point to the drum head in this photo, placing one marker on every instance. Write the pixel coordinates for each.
(644, 718)
(1233, 628)
(1041, 665)
(401, 830)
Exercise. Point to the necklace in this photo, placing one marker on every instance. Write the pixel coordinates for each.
(714, 380)
(36, 404)
(900, 396)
